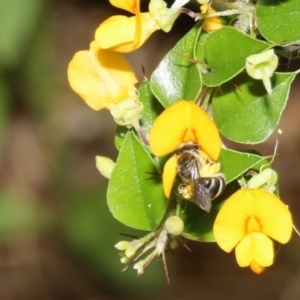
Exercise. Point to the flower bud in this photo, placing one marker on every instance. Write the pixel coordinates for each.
(265, 180)
(262, 66)
(164, 16)
(105, 166)
(174, 225)
(127, 112)
(122, 245)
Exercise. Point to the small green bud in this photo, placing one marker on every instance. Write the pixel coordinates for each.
(174, 225)
(125, 260)
(262, 66)
(105, 166)
(130, 251)
(122, 245)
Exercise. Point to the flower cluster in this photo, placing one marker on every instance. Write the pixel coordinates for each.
(184, 144)
(253, 216)
(101, 76)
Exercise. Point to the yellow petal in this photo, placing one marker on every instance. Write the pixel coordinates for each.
(255, 247)
(275, 217)
(169, 175)
(210, 24)
(228, 227)
(101, 77)
(129, 5)
(184, 122)
(250, 210)
(123, 34)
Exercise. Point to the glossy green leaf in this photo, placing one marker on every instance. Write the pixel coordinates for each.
(152, 108)
(279, 21)
(225, 53)
(245, 113)
(199, 53)
(135, 194)
(235, 163)
(177, 77)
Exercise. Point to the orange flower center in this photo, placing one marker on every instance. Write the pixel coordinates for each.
(189, 135)
(252, 224)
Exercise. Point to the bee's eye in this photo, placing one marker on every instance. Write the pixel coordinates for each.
(207, 182)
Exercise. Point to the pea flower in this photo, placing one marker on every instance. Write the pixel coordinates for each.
(102, 78)
(126, 34)
(249, 221)
(183, 122)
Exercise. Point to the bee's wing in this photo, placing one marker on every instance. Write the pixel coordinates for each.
(201, 194)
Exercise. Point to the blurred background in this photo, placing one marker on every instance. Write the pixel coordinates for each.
(56, 232)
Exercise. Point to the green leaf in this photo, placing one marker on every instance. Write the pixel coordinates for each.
(245, 113)
(120, 135)
(226, 51)
(198, 226)
(199, 53)
(279, 21)
(152, 108)
(135, 193)
(177, 77)
(235, 163)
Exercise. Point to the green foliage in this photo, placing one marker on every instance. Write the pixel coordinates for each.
(135, 195)
(226, 61)
(245, 113)
(278, 21)
(177, 77)
(229, 73)
(241, 107)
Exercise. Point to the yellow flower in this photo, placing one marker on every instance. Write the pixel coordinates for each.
(125, 34)
(102, 78)
(249, 221)
(210, 24)
(181, 123)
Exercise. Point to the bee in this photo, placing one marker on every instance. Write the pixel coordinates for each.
(192, 166)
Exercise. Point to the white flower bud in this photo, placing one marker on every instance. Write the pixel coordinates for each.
(127, 112)
(164, 16)
(265, 180)
(262, 66)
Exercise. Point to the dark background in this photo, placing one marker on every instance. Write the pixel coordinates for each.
(56, 232)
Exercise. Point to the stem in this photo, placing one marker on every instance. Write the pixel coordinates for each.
(136, 125)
